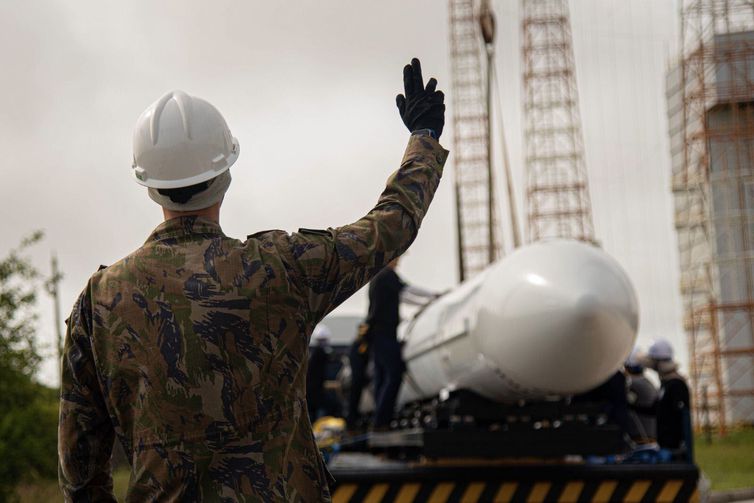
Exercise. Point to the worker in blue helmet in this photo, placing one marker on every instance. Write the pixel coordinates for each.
(642, 397)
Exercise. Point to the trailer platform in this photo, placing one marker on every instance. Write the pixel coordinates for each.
(365, 478)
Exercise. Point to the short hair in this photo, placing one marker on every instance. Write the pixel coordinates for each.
(182, 195)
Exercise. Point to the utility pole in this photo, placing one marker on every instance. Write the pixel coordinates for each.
(487, 27)
(52, 288)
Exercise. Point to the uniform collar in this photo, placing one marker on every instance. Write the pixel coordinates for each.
(185, 227)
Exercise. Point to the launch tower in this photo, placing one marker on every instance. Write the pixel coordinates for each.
(558, 203)
(478, 233)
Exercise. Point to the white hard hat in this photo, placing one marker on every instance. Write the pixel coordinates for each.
(636, 358)
(181, 140)
(321, 333)
(661, 349)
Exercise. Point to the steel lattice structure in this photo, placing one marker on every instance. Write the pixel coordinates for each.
(478, 233)
(711, 117)
(558, 202)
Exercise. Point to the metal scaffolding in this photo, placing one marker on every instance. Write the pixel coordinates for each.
(558, 203)
(711, 117)
(478, 233)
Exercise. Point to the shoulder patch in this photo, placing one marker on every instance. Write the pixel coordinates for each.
(102, 267)
(259, 234)
(319, 232)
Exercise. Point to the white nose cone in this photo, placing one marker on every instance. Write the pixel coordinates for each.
(558, 317)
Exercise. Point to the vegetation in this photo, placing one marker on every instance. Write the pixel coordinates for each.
(728, 461)
(28, 410)
(48, 490)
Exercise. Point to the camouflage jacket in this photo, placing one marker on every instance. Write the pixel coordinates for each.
(192, 351)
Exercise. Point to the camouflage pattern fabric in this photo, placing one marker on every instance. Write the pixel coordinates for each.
(192, 351)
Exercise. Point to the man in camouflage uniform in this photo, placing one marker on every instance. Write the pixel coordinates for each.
(192, 350)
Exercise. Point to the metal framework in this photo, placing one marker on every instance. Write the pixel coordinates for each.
(711, 112)
(558, 203)
(478, 233)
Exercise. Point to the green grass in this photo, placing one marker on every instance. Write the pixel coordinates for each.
(40, 490)
(47, 490)
(727, 461)
(120, 482)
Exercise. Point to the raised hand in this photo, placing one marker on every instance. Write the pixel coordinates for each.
(421, 107)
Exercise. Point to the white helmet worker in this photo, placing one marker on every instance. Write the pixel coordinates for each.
(635, 361)
(661, 349)
(181, 140)
(321, 334)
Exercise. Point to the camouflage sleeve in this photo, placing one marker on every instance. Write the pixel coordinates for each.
(335, 263)
(85, 432)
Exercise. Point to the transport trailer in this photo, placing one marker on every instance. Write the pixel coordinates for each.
(494, 406)
(541, 452)
(460, 481)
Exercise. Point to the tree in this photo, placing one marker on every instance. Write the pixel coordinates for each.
(18, 296)
(28, 410)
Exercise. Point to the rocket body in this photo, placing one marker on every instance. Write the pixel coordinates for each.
(551, 319)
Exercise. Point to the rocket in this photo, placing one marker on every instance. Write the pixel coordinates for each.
(554, 318)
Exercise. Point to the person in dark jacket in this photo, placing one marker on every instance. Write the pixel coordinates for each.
(319, 355)
(673, 406)
(358, 359)
(642, 396)
(386, 292)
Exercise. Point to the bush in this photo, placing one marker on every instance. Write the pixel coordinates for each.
(28, 432)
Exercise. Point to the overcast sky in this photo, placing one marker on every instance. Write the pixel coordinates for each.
(308, 88)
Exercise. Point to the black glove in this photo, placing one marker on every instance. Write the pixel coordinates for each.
(420, 108)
